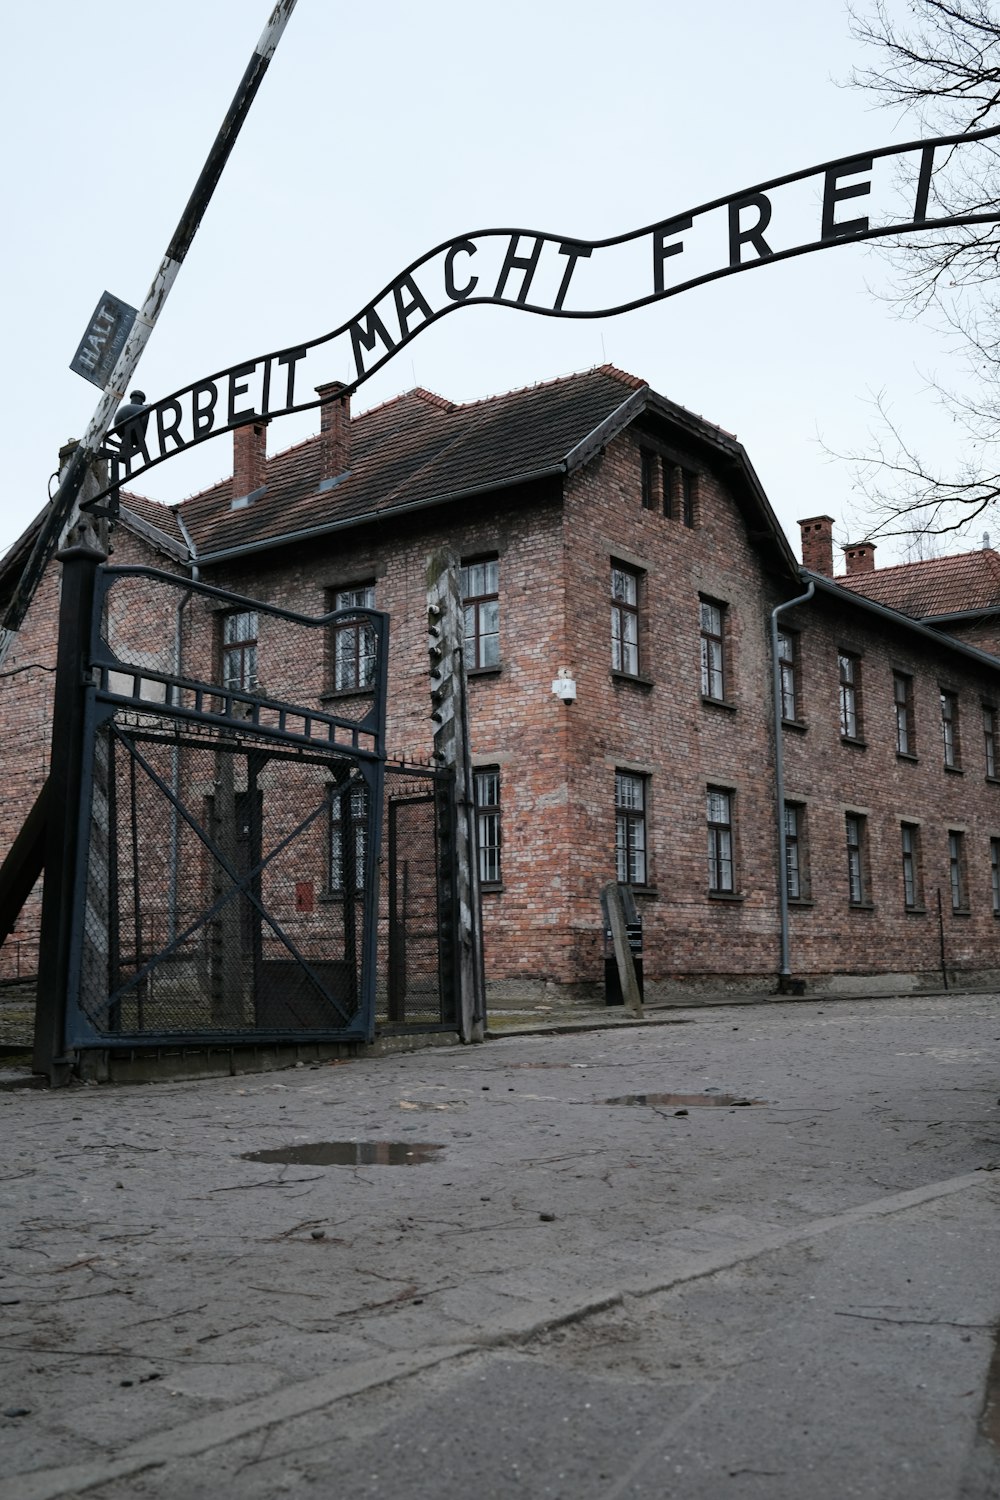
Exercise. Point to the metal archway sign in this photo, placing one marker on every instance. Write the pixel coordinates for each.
(556, 276)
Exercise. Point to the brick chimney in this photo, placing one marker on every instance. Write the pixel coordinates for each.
(860, 557)
(817, 544)
(249, 459)
(334, 431)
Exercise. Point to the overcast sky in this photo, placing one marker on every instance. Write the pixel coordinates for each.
(381, 130)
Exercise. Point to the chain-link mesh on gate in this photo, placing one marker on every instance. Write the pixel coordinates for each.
(232, 823)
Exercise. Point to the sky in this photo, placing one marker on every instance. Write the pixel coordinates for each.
(382, 130)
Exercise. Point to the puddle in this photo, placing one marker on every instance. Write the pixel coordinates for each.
(351, 1154)
(687, 1101)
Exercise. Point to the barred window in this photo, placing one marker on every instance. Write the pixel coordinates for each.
(995, 874)
(713, 647)
(481, 597)
(949, 729)
(486, 783)
(650, 465)
(796, 861)
(956, 871)
(902, 693)
(239, 650)
(354, 641)
(857, 859)
(910, 842)
(721, 866)
(990, 739)
(348, 837)
(850, 695)
(624, 620)
(788, 669)
(630, 828)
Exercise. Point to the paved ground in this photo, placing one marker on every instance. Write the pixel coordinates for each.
(789, 1299)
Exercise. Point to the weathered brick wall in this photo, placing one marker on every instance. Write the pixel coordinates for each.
(662, 728)
(557, 760)
(833, 777)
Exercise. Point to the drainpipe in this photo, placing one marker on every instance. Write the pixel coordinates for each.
(175, 770)
(784, 971)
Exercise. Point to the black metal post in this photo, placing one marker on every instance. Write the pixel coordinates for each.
(60, 895)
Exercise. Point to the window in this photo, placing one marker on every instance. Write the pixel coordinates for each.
(481, 596)
(787, 666)
(850, 695)
(239, 650)
(354, 642)
(630, 828)
(949, 729)
(956, 871)
(913, 898)
(348, 815)
(796, 864)
(902, 692)
(721, 866)
(486, 785)
(995, 874)
(624, 620)
(990, 739)
(650, 465)
(857, 860)
(713, 677)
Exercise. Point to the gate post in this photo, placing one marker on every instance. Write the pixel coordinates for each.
(445, 634)
(62, 892)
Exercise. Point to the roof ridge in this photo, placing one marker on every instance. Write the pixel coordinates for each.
(920, 562)
(632, 381)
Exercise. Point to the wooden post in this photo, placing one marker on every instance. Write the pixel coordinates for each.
(445, 634)
(615, 907)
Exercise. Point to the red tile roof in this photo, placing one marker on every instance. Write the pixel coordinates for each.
(413, 450)
(937, 586)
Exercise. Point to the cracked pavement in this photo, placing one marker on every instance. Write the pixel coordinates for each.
(793, 1297)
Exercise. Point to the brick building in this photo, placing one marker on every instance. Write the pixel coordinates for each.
(620, 562)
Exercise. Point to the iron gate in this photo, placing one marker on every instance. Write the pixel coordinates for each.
(226, 876)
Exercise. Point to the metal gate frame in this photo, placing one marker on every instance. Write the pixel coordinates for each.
(93, 685)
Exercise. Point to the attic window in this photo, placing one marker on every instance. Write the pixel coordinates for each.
(242, 501)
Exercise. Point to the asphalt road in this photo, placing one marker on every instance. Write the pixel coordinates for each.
(790, 1295)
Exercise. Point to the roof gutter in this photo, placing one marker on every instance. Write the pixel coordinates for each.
(956, 616)
(264, 544)
(829, 586)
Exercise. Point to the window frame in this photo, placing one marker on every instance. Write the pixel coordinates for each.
(991, 745)
(858, 887)
(476, 608)
(850, 696)
(355, 633)
(489, 827)
(951, 740)
(242, 647)
(906, 739)
(713, 671)
(358, 824)
(788, 675)
(624, 610)
(721, 840)
(798, 889)
(995, 874)
(912, 866)
(958, 874)
(631, 830)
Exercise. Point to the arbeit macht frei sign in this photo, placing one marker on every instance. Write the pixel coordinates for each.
(887, 192)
